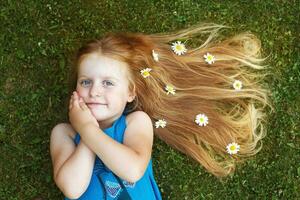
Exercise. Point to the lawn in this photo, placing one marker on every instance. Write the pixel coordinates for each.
(38, 40)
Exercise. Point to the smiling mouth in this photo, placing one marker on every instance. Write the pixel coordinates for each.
(91, 105)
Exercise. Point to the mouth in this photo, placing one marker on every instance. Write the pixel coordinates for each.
(93, 105)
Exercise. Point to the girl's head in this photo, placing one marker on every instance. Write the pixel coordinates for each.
(104, 74)
(234, 116)
(118, 55)
(103, 84)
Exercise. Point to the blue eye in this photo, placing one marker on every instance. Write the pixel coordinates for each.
(108, 83)
(85, 83)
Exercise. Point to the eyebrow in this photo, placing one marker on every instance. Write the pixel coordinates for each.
(104, 77)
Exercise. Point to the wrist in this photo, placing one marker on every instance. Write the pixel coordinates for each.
(83, 146)
(86, 127)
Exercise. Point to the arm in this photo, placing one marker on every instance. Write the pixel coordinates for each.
(70, 174)
(129, 160)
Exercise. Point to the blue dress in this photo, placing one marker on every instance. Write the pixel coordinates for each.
(104, 185)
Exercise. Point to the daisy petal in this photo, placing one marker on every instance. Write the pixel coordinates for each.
(145, 72)
(210, 59)
(170, 89)
(160, 123)
(155, 56)
(178, 48)
(237, 85)
(232, 148)
(201, 120)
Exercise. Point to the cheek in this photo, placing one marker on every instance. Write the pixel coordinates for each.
(81, 91)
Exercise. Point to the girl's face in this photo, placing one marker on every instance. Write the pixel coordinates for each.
(103, 84)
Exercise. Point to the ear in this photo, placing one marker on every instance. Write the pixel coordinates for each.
(130, 99)
(131, 95)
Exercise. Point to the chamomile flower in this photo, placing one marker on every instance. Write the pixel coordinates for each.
(210, 59)
(178, 48)
(201, 120)
(146, 72)
(155, 56)
(170, 89)
(160, 123)
(233, 148)
(237, 85)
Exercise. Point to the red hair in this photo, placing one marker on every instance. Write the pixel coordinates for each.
(200, 88)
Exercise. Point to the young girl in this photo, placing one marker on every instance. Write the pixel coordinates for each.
(205, 101)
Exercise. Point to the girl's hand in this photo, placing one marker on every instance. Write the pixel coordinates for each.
(79, 114)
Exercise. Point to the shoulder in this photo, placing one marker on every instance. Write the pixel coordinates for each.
(138, 117)
(139, 134)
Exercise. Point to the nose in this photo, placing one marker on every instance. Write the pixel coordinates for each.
(96, 90)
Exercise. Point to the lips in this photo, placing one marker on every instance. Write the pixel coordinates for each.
(93, 105)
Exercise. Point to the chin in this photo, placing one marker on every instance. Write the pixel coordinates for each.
(101, 117)
(97, 115)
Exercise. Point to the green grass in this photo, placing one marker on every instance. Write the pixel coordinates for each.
(37, 40)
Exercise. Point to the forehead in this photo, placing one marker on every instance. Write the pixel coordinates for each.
(96, 65)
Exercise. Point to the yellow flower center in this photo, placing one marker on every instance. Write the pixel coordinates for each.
(209, 57)
(179, 48)
(201, 120)
(146, 73)
(237, 85)
(232, 148)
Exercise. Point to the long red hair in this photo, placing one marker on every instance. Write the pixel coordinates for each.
(234, 116)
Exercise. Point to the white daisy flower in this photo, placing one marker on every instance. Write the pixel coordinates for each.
(155, 56)
(170, 89)
(233, 148)
(178, 48)
(210, 59)
(146, 72)
(201, 120)
(160, 123)
(237, 85)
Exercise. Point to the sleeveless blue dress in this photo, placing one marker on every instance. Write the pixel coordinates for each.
(105, 186)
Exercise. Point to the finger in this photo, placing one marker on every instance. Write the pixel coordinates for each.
(74, 94)
(77, 94)
(75, 100)
(71, 103)
(82, 104)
